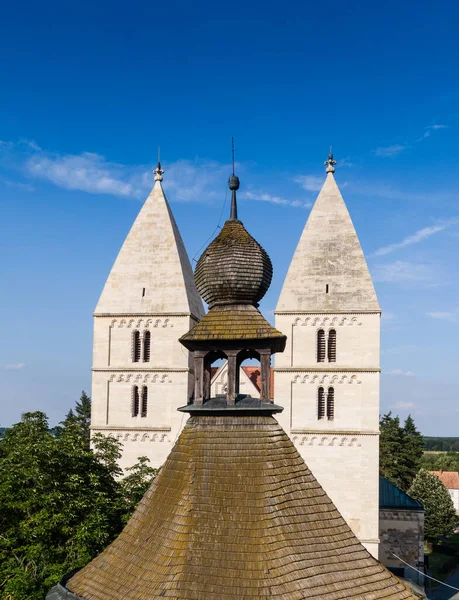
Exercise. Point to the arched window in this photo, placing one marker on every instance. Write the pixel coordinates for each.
(332, 345)
(321, 403)
(144, 401)
(146, 346)
(135, 402)
(136, 344)
(330, 403)
(321, 345)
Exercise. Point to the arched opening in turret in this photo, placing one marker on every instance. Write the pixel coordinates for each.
(257, 369)
(212, 362)
(248, 366)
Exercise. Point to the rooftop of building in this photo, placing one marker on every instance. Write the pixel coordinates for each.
(392, 497)
(450, 479)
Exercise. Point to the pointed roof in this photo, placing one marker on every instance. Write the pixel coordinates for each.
(328, 254)
(152, 273)
(235, 513)
(390, 496)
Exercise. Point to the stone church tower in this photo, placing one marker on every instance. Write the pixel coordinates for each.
(328, 377)
(141, 373)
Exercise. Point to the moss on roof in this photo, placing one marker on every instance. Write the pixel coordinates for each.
(235, 513)
(232, 323)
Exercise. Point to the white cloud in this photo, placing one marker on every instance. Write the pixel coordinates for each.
(311, 183)
(415, 238)
(402, 271)
(87, 172)
(403, 405)
(452, 317)
(26, 187)
(387, 151)
(13, 366)
(437, 127)
(345, 162)
(263, 197)
(400, 372)
(187, 181)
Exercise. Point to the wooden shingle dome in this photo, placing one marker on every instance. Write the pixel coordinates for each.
(234, 268)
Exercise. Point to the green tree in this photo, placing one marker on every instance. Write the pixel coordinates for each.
(61, 501)
(60, 504)
(440, 516)
(81, 416)
(400, 450)
(136, 483)
(413, 450)
(392, 463)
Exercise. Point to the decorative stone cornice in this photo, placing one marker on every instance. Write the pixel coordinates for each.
(142, 323)
(328, 321)
(328, 313)
(318, 369)
(328, 378)
(352, 432)
(123, 429)
(329, 438)
(139, 378)
(140, 434)
(139, 370)
(149, 315)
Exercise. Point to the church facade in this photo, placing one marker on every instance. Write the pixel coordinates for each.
(327, 380)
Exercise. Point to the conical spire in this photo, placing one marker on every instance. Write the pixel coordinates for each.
(152, 272)
(328, 272)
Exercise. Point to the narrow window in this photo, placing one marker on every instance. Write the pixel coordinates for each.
(321, 345)
(331, 404)
(136, 346)
(143, 292)
(144, 401)
(332, 345)
(326, 289)
(321, 403)
(146, 346)
(135, 401)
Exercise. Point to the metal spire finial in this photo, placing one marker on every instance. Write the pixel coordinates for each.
(158, 171)
(330, 163)
(233, 184)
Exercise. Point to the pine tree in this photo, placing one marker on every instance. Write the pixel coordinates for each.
(413, 448)
(392, 464)
(83, 415)
(440, 516)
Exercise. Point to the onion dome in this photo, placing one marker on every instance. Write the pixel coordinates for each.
(234, 269)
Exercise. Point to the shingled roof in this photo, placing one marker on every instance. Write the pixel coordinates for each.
(236, 513)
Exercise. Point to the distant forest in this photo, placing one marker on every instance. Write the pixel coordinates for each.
(441, 444)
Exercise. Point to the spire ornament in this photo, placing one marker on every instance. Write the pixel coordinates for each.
(233, 184)
(330, 163)
(158, 172)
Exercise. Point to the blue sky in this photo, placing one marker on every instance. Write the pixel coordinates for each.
(90, 90)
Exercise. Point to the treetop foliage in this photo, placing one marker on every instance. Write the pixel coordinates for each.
(400, 450)
(441, 444)
(61, 502)
(440, 515)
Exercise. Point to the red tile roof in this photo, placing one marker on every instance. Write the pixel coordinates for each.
(254, 374)
(449, 478)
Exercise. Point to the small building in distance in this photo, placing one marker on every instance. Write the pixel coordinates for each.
(450, 480)
(401, 531)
